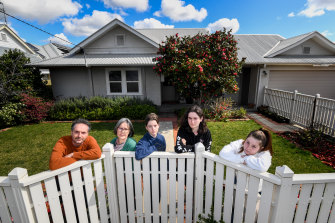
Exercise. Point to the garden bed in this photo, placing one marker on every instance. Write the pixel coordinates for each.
(321, 146)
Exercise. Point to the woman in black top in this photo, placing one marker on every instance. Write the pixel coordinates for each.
(193, 129)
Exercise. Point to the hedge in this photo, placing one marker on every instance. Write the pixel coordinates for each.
(101, 108)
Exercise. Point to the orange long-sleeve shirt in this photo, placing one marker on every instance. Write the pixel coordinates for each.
(89, 150)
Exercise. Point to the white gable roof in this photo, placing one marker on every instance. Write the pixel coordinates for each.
(287, 44)
(19, 43)
(107, 28)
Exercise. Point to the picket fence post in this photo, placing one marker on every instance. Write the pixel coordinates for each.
(264, 95)
(20, 196)
(283, 194)
(198, 183)
(317, 96)
(293, 105)
(110, 170)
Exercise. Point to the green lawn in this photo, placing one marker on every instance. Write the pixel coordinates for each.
(30, 146)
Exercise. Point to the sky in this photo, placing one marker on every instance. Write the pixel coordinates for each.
(75, 20)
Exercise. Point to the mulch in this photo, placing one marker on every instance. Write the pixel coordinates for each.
(324, 151)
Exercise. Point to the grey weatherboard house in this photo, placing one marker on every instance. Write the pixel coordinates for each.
(117, 61)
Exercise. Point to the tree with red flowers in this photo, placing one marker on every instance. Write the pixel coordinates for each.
(201, 67)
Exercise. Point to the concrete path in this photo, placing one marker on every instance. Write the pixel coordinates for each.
(166, 129)
(270, 124)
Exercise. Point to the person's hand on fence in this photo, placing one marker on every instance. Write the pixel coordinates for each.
(69, 155)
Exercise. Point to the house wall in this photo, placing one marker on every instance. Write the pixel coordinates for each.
(107, 44)
(11, 42)
(153, 86)
(70, 82)
(316, 49)
(81, 80)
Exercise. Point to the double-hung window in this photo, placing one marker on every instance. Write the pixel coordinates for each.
(123, 81)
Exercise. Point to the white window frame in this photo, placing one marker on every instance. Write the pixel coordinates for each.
(124, 40)
(124, 81)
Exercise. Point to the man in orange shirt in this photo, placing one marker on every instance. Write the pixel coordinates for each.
(78, 146)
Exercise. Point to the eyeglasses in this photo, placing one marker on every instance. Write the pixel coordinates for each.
(122, 129)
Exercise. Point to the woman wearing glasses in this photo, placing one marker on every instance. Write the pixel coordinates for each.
(124, 131)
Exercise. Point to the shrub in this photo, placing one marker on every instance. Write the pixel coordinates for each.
(35, 109)
(11, 114)
(221, 109)
(101, 108)
(218, 109)
(238, 113)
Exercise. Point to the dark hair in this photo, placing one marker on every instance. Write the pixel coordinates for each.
(264, 136)
(126, 120)
(184, 120)
(81, 121)
(151, 117)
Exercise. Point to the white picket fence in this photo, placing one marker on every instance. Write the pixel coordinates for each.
(304, 110)
(165, 187)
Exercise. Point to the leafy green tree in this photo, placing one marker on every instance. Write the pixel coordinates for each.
(16, 77)
(201, 67)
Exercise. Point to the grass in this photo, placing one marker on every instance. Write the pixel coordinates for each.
(30, 146)
(284, 152)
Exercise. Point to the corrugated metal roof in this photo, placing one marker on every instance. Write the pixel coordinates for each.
(159, 35)
(253, 47)
(98, 60)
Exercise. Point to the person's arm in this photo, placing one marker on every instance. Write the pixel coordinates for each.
(143, 149)
(261, 163)
(90, 151)
(180, 147)
(230, 152)
(208, 141)
(57, 158)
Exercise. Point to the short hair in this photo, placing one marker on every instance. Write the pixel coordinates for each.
(126, 120)
(151, 117)
(81, 121)
(184, 120)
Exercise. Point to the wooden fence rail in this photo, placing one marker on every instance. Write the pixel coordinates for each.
(304, 110)
(165, 187)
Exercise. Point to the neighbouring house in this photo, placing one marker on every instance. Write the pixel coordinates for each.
(305, 63)
(10, 40)
(48, 51)
(117, 61)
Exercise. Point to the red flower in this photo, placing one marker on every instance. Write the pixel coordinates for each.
(200, 68)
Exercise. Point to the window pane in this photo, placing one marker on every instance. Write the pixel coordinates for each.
(115, 75)
(115, 87)
(120, 40)
(131, 75)
(132, 87)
